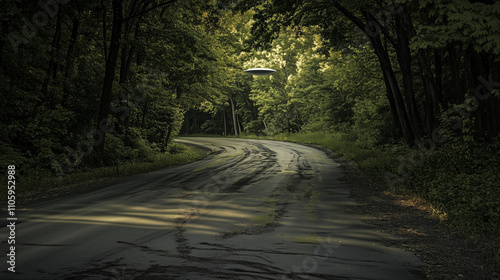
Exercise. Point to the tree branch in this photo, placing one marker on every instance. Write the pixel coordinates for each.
(349, 15)
(150, 9)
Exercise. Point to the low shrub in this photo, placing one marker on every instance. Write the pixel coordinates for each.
(463, 178)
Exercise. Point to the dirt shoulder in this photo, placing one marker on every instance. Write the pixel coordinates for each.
(416, 228)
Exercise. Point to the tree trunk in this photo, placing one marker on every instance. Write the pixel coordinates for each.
(170, 126)
(55, 47)
(128, 52)
(234, 117)
(169, 134)
(4, 28)
(431, 96)
(187, 125)
(392, 87)
(239, 125)
(144, 111)
(438, 65)
(70, 58)
(486, 120)
(398, 132)
(456, 77)
(109, 74)
(195, 124)
(104, 29)
(225, 124)
(403, 29)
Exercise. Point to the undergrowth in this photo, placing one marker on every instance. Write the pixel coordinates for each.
(49, 184)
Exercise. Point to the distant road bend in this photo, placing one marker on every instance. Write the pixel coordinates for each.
(252, 209)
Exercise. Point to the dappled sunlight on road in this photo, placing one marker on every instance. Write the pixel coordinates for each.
(150, 217)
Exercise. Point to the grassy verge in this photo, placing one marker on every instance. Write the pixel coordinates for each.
(30, 190)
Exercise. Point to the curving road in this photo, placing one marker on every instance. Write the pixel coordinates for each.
(252, 209)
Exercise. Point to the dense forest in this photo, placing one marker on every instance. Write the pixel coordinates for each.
(86, 84)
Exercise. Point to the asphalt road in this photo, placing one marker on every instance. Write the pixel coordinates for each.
(252, 209)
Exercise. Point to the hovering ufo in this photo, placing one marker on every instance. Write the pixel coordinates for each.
(260, 71)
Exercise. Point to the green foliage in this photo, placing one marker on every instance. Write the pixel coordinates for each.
(371, 125)
(460, 22)
(314, 92)
(170, 61)
(176, 148)
(462, 177)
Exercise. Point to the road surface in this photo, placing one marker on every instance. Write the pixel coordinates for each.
(252, 209)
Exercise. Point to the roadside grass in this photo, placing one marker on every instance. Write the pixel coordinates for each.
(29, 189)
